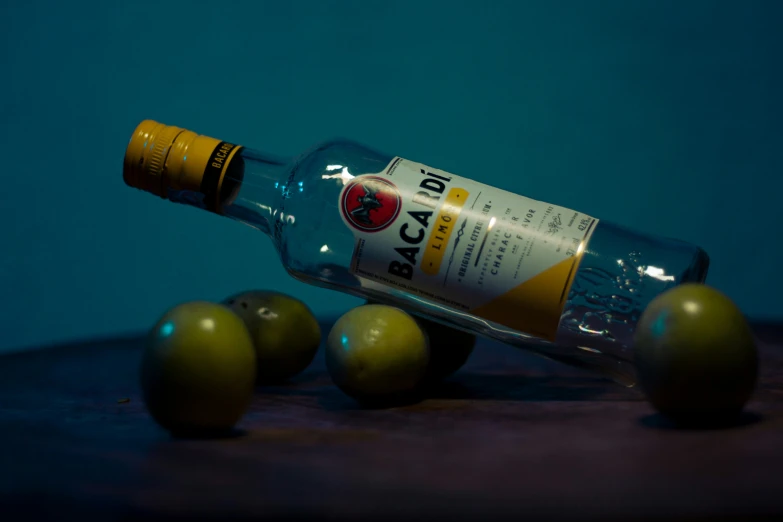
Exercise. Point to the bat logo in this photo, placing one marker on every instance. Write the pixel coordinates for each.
(370, 203)
(367, 202)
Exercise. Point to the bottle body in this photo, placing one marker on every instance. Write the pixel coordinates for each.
(298, 202)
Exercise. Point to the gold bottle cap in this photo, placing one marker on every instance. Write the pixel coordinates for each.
(145, 157)
(162, 157)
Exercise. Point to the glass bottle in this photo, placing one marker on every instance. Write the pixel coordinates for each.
(343, 216)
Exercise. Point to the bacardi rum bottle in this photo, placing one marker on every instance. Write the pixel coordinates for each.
(529, 273)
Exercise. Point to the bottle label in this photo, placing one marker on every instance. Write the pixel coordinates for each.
(471, 247)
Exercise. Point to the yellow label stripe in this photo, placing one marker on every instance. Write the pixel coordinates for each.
(441, 232)
(534, 306)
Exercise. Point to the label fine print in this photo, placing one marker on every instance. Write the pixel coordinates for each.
(469, 246)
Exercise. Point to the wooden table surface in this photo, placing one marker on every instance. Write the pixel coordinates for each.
(510, 436)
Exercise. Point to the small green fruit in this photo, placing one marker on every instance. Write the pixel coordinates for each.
(198, 369)
(695, 355)
(285, 333)
(450, 348)
(376, 353)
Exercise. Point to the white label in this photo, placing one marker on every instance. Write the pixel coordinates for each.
(472, 247)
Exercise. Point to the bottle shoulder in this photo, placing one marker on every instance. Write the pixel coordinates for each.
(339, 158)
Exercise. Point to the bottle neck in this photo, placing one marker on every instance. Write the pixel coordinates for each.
(204, 172)
(250, 191)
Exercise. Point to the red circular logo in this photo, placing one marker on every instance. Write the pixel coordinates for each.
(370, 203)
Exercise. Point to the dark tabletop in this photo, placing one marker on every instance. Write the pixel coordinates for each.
(510, 436)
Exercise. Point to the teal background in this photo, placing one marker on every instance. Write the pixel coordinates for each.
(662, 115)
